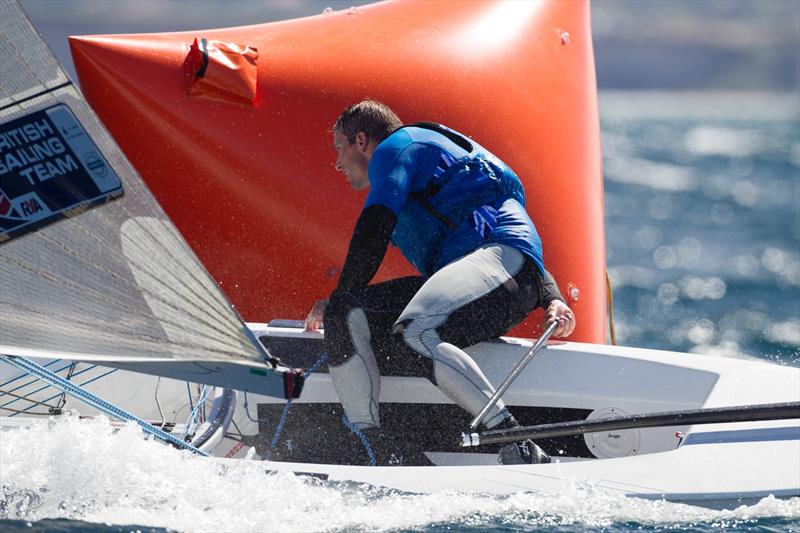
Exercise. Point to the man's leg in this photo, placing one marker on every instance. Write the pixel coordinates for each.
(478, 297)
(351, 322)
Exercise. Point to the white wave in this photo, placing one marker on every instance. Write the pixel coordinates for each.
(82, 470)
(632, 276)
(699, 105)
(731, 142)
(660, 176)
(787, 332)
(697, 288)
(785, 264)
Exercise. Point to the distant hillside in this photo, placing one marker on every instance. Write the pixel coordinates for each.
(639, 44)
(686, 44)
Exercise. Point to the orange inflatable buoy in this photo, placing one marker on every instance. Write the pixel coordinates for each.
(252, 186)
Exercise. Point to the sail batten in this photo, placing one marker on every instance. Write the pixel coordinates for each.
(91, 268)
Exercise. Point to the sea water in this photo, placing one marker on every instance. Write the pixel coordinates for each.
(702, 198)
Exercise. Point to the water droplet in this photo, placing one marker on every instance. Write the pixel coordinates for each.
(745, 193)
(699, 289)
(702, 332)
(689, 250)
(573, 293)
(664, 257)
(647, 237)
(773, 259)
(721, 214)
(667, 294)
(784, 332)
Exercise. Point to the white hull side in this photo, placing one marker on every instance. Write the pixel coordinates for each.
(756, 459)
(726, 474)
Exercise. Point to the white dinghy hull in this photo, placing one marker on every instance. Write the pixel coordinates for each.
(719, 475)
(718, 465)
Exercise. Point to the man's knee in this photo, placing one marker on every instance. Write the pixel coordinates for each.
(423, 363)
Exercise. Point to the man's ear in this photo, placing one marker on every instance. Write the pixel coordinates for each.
(362, 140)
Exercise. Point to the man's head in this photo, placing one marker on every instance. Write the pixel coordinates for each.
(356, 133)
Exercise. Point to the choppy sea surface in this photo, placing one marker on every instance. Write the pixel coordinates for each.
(702, 198)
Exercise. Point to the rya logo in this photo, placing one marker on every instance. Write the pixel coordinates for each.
(30, 207)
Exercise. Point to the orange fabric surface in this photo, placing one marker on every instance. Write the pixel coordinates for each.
(253, 189)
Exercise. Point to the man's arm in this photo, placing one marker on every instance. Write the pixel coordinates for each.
(556, 309)
(365, 254)
(367, 247)
(550, 290)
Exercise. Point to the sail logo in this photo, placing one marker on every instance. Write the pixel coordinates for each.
(30, 207)
(95, 164)
(50, 169)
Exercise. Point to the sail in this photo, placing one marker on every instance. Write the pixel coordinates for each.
(91, 269)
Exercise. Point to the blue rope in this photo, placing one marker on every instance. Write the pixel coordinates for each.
(279, 429)
(31, 382)
(59, 394)
(285, 413)
(201, 400)
(313, 368)
(363, 438)
(101, 376)
(95, 401)
(12, 380)
(32, 393)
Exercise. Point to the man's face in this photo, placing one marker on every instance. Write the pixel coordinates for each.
(352, 159)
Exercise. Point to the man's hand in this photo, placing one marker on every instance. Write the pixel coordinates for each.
(559, 312)
(317, 314)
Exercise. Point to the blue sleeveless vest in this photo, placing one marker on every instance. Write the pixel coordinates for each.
(471, 199)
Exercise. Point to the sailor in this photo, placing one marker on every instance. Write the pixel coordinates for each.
(457, 214)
